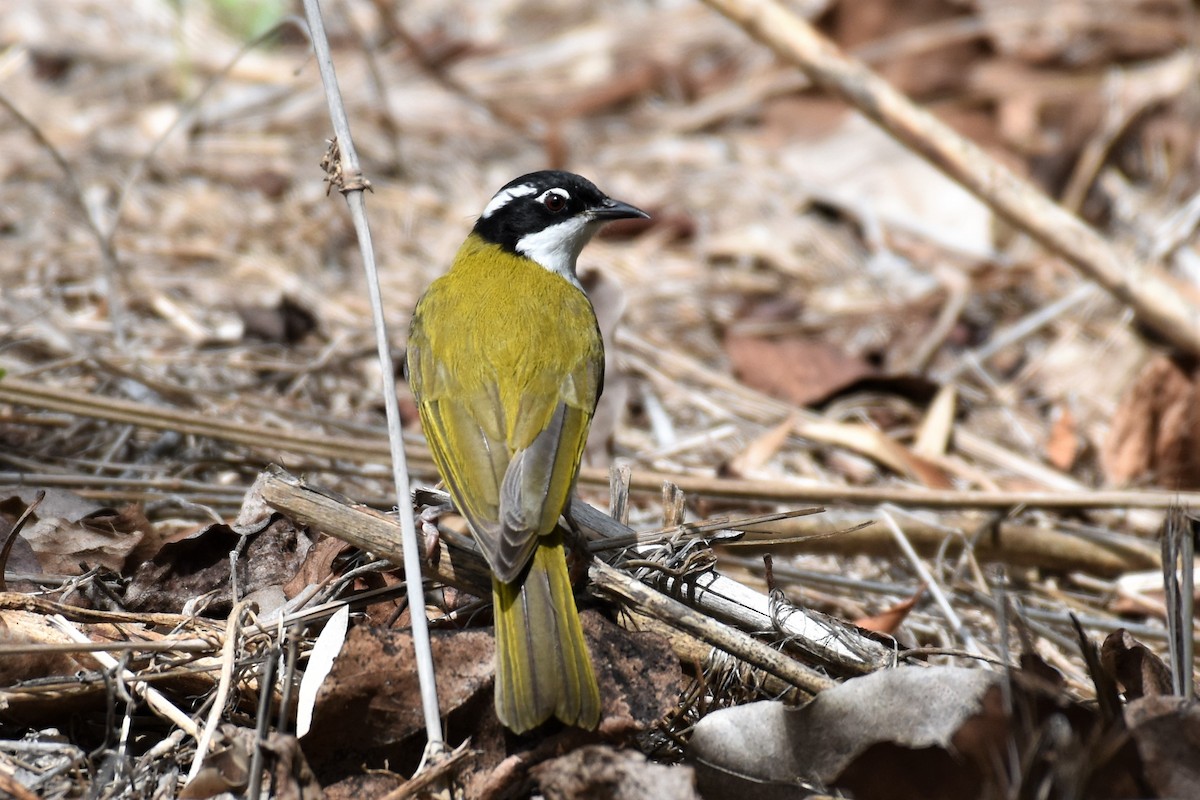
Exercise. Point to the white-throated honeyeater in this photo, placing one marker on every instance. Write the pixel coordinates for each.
(506, 363)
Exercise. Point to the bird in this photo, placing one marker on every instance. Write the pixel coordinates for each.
(506, 364)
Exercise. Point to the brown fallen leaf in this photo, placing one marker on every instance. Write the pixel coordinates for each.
(1166, 731)
(1064, 443)
(226, 767)
(800, 370)
(199, 564)
(890, 619)
(24, 628)
(369, 705)
(318, 564)
(1140, 672)
(1155, 434)
(66, 531)
(292, 778)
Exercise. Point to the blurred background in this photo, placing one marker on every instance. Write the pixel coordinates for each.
(812, 307)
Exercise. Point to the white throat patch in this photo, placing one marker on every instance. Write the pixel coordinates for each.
(557, 247)
(506, 196)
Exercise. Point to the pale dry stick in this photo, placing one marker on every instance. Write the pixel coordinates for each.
(987, 450)
(1176, 229)
(159, 646)
(347, 174)
(154, 698)
(1129, 91)
(233, 631)
(69, 401)
(1021, 329)
(858, 532)
(1160, 308)
(928, 579)
(616, 584)
(345, 448)
(958, 291)
(467, 570)
(19, 601)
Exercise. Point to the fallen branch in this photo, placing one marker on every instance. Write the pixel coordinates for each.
(374, 450)
(1156, 304)
(463, 569)
(844, 533)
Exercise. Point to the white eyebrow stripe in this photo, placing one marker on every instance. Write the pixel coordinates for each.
(506, 196)
(563, 193)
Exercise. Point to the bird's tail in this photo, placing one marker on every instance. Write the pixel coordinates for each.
(542, 664)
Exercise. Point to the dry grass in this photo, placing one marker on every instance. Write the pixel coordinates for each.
(764, 227)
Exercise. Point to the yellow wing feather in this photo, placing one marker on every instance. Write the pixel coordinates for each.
(495, 378)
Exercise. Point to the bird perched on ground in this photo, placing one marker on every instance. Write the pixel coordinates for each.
(506, 364)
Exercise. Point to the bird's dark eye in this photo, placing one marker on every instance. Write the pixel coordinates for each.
(555, 202)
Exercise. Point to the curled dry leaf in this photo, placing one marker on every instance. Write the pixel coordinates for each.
(939, 733)
(890, 619)
(1134, 666)
(879, 446)
(66, 531)
(1155, 434)
(744, 746)
(199, 564)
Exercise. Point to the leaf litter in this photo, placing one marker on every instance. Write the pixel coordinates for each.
(811, 307)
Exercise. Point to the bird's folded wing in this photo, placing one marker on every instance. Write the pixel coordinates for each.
(510, 477)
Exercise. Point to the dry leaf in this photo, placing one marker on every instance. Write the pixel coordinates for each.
(800, 370)
(737, 750)
(762, 449)
(877, 445)
(1167, 732)
(1064, 443)
(938, 733)
(934, 433)
(199, 564)
(889, 620)
(1155, 434)
(66, 531)
(1133, 665)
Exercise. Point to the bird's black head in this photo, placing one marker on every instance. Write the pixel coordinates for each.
(549, 216)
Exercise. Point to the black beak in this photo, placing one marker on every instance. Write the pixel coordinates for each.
(614, 209)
